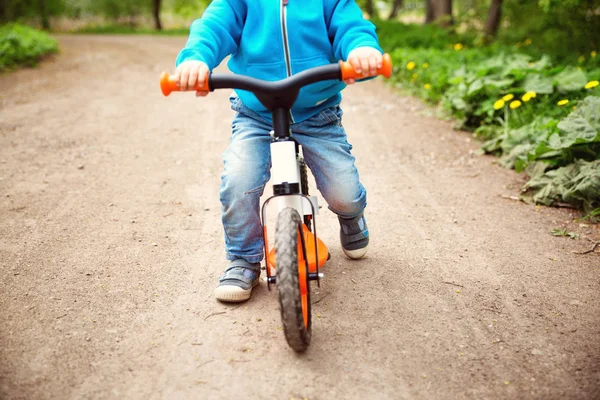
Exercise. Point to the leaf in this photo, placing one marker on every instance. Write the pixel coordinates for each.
(498, 82)
(542, 63)
(583, 123)
(475, 86)
(577, 184)
(538, 83)
(518, 61)
(459, 103)
(564, 232)
(570, 79)
(577, 132)
(520, 165)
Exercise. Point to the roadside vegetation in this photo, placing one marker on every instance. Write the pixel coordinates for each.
(522, 76)
(22, 45)
(530, 91)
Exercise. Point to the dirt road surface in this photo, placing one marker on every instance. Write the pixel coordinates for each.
(111, 245)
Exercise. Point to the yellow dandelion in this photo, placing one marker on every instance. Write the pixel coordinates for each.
(593, 54)
(499, 104)
(581, 59)
(528, 96)
(508, 97)
(458, 46)
(427, 86)
(563, 102)
(426, 65)
(591, 84)
(515, 104)
(527, 42)
(411, 65)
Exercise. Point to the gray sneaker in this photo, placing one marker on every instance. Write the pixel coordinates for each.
(354, 235)
(237, 281)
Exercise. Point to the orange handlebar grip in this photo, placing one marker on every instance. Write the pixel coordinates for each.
(168, 85)
(348, 71)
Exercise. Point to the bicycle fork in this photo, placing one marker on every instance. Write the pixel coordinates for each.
(286, 154)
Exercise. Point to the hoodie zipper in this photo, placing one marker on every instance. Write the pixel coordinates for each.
(286, 44)
(284, 35)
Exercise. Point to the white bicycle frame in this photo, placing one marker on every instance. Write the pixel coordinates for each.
(285, 168)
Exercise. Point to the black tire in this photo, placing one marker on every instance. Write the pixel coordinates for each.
(297, 333)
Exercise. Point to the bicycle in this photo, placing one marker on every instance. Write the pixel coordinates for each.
(298, 253)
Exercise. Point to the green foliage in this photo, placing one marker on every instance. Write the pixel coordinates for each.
(114, 10)
(577, 184)
(593, 215)
(21, 45)
(393, 35)
(564, 232)
(558, 27)
(578, 135)
(14, 10)
(489, 90)
(121, 12)
(188, 8)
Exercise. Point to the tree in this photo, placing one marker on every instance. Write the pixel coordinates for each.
(396, 6)
(439, 11)
(443, 12)
(493, 20)
(3, 10)
(156, 14)
(370, 8)
(429, 11)
(43, 11)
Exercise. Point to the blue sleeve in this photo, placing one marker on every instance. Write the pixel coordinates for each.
(348, 29)
(216, 35)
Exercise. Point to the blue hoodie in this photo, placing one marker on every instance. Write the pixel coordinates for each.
(274, 39)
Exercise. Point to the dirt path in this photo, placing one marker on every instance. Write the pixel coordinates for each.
(111, 244)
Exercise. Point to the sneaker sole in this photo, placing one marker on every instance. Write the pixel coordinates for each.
(233, 294)
(356, 254)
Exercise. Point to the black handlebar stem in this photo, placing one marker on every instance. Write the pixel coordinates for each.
(277, 96)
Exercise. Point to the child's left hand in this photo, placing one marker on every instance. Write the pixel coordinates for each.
(365, 60)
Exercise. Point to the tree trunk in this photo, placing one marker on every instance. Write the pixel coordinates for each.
(443, 12)
(429, 12)
(156, 14)
(3, 11)
(396, 6)
(44, 18)
(493, 20)
(370, 8)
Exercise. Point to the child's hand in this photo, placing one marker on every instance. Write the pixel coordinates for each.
(190, 73)
(365, 60)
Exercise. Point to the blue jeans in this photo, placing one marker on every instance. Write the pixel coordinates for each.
(247, 164)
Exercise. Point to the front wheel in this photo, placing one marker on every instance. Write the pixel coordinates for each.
(292, 281)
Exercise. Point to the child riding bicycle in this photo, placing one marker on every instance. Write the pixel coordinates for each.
(272, 40)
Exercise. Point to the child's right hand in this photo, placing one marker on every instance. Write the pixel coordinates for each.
(190, 73)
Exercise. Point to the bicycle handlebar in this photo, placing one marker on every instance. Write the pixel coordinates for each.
(342, 71)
